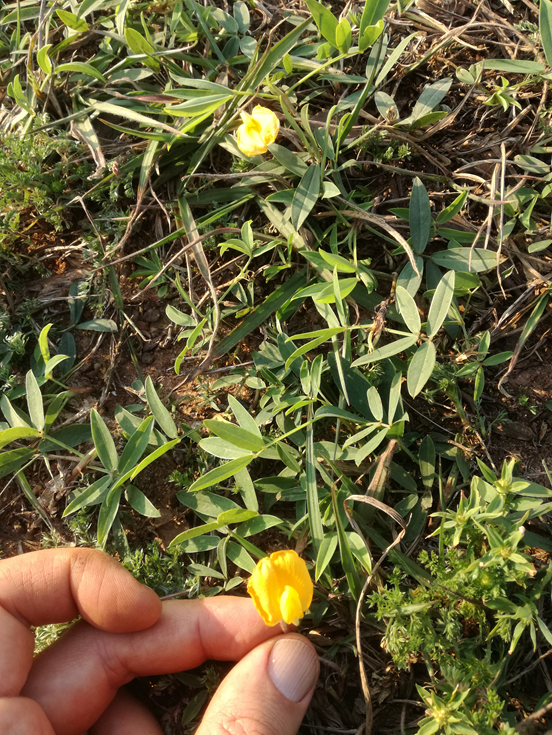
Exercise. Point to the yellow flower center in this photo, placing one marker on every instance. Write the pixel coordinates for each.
(290, 606)
(250, 122)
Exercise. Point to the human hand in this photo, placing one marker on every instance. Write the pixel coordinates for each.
(74, 685)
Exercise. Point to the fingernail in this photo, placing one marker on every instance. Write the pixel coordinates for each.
(293, 667)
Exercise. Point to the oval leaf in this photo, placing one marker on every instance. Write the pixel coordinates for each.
(420, 368)
(440, 304)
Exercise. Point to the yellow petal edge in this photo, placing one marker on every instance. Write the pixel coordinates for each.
(281, 588)
(257, 131)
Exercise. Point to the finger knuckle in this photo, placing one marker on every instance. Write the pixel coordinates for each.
(229, 724)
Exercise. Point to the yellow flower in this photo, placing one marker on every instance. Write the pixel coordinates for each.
(257, 131)
(281, 588)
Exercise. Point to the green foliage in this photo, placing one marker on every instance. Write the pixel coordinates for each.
(481, 602)
(34, 173)
(163, 571)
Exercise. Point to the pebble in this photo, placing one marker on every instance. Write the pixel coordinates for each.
(151, 315)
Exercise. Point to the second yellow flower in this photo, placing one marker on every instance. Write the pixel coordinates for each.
(257, 131)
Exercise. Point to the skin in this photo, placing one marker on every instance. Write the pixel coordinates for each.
(75, 686)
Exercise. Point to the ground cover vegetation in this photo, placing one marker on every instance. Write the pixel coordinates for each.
(338, 346)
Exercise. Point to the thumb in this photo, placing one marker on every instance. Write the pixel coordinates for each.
(267, 692)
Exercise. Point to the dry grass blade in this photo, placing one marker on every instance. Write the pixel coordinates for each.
(379, 476)
(374, 219)
(186, 220)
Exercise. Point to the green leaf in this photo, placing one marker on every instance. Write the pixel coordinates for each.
(140, 503)
(92, 495)
(359, 550)
(325, 553)
(14, 416)
(343, 35)
(235, 515)
(452, 209)
(420, 368)
(388, 351)
(135, 446)
(34, 401)
(427, 461)
(425, 120)
(222, 449)
(313, 502)
(387, 107)
(430, 98)
(140, 45)
(202, 105)
(289, 160)
(374, 402)
(244, 418)
(103, 442)
(152, 457)
(108, 511)
(372, 13)
(369, 36)
(241, 14)
(120, 111)
(409, 279)
(43, 342)
(88, 6)
(52, 363)
(257, 525)
(207, 504)
(545, 27)
(519, 66)
(408, 309)
(347, 560)
(240, 557)
(54, 408)
(235, 435)
(161, 414)
(440, 304)
(370, 446)
(70, 436)
(194, 533)
(419, 216)
(498, 359)
(81, 68)
(199, 544)
(17, 432)
(14, 459)
(98, 325)
(220, 473)
(536, 247)
(44, 60)
(71, 21)
(305, 196)
(203, 571)
(338, 261)
(193, 708)
(476, 260)
(178, 317)
(325, 21)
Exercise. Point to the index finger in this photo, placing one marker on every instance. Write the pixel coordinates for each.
(57, 585)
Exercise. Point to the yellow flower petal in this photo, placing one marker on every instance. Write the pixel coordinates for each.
(257, 131)
(290, 606)
(269, 123)
(264, 587)
(281, 587)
